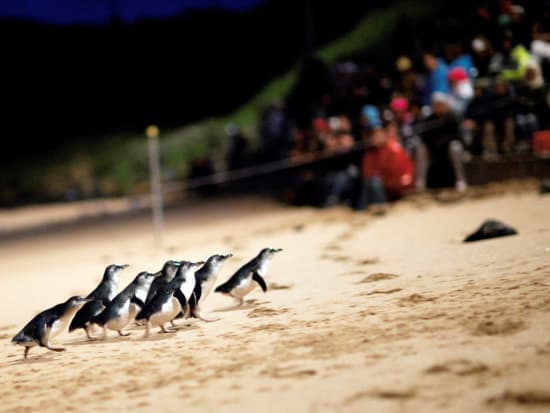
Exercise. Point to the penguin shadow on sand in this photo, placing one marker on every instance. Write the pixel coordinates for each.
(250, 304)
(158, 335)
(35, 359)
(97, 340)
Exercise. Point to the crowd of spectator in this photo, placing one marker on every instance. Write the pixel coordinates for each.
(412, 126)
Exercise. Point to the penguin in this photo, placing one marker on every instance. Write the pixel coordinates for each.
(205, 278)
(122, 310)
(169, 300)
(241, 283)
(103, 294)
(162, 278)
(48, 324)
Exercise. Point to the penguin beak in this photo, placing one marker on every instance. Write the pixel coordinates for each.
(123, 266)
(226, 256)
(199, 263)
(276, 249)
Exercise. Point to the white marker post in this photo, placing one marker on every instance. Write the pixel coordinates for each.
(152, 133)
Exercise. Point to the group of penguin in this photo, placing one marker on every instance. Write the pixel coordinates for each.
(152, 299)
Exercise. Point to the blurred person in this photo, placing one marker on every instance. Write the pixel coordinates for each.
(441, 139)
(482, 53)
(275, 133)
(504, 106)
(458, 59)
(437, 77)
(238, 155)
(476, 116)
(410, 83)
(510, 62)
(386, 171)
(339, 173)
(462, 91)
(405, 119)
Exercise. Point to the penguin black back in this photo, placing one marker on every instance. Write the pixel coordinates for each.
(128, 294)
(164, 276)
(165, 292)
(47, 324)
(101, 295)
(255, 265)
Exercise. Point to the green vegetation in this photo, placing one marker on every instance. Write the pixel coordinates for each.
(118, 164)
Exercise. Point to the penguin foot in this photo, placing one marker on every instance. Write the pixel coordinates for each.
(26, 354)
(88, 334)
(121, 334)
(164, 330)
(58, 349)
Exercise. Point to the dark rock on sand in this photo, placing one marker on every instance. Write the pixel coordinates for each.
(491, 229)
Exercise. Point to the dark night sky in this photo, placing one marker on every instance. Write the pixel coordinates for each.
(101, 11)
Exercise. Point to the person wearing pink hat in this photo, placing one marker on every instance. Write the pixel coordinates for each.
(462, 91)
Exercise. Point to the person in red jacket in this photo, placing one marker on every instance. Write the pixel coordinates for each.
(386, 170)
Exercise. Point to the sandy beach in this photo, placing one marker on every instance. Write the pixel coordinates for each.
(363, 313)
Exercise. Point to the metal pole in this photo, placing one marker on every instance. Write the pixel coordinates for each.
(152, 133)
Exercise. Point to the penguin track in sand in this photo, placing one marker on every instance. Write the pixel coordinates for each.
(266, 312)
(498, 327)
(540, 397)
(379, 276)
(460, 367)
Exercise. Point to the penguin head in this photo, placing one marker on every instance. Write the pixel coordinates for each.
(112, 272)
(187, 268)
(169, 268)
(218, 258)
(78, 301)
(269, 252)
(144, 278)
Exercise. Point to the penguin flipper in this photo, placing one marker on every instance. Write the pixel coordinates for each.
(84, 315)
(261, 282)
(194, 299)
(137, 301)
(181, 298)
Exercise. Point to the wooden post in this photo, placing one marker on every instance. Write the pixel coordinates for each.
(152, 133)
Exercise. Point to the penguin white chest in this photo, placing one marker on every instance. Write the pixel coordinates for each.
(244, 287)
(142, 292)
(59, 325)
(169, 310)
(262, 270)
(188, 287)
(121, 319)
(206, 287)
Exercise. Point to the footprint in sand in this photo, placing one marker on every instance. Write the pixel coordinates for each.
(381, 394)
(335, 258)
(415, 299)
(265, 312)
(379, 276)
(524, 397)
(461, 367)
(288, 372)
(388, 291)
(368, 261)
(276, 286)
(498, 327)
(268, 327)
